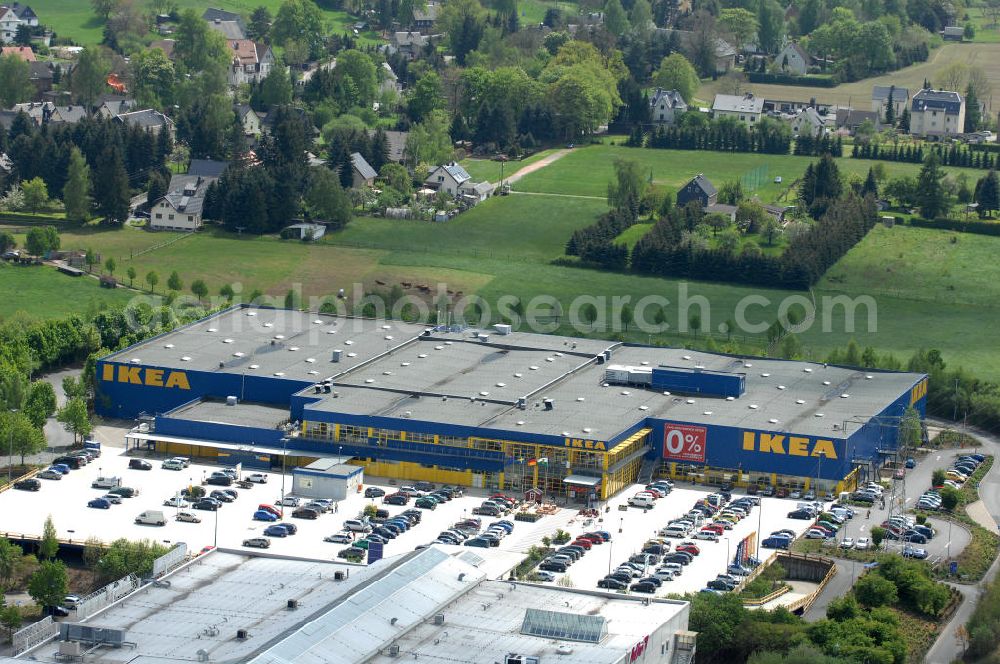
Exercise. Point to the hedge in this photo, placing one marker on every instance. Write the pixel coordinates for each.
(24, 217)
(789, 79)
(975, 226)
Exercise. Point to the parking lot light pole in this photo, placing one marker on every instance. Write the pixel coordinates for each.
(215, 538)
(284, 447)
(10, 449)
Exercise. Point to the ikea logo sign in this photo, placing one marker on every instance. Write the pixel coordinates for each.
(122, 373)
(581, 444)
(918, 392)
(772, 443)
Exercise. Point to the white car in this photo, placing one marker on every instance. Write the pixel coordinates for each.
(259, 478)
(172, 464)
(343, 537)
(847, 543)
(706, 535)
(112, 498)
(289, 501)
(175, 501)
(863, 544)
(189, 517)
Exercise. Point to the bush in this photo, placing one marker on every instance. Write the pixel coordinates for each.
(790, 79)
(561, 537)
(874, 590)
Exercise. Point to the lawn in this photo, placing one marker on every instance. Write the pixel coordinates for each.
(43, 292)
(487, 169)
(75, 19)
(633, 234)
(859, 93)
(533, 11)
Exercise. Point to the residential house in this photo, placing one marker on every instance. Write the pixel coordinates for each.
(809, 122)
(777, 212)
(793, 59)
(881, 95)
(937, 113)
(723, 209)
(249, 119)
(409, 43)
(41, 75)
(207, 168)
(147, 119)
(746, 108)
(110, 106)
(268, 119)
(362, 173)
(12, 17)
(23, 52)
(698, 189)
(953, 33)
(666, 105)
(180, 209)
(448, 178)
(850, 119)
(390, 82)
(165, 45)
(251, 63)
(397, 144)
(49, 113)
(476, 192)
(424, 17)
(231, 30)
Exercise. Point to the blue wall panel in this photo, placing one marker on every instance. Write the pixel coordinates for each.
(227, 433)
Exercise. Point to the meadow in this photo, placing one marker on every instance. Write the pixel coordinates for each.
(42, 292)
(928, 290)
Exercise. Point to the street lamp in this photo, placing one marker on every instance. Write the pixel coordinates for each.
(10, 451)
(284, 447)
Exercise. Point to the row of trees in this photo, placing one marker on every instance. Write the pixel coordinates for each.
(724, 134)
(914, 153)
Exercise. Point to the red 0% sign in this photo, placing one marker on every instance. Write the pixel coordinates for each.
(684, 442)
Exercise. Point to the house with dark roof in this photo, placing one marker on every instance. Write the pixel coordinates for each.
(249, 119)
(937, 113)
(228, 29)
(448, 178)
(12, 17)
(49, 113)
(424, 17)
(793, 59)
(698, 189)
(41, 75)
(409, 43)
(666, 105)
(880, 99)
(165, 45)
(362, 173)
(213, 14)
(850, 119)
(251, 61)
(110, 106)
(809, 122)
(953, 33)
(180, 209)
(207, 168)
(397, 144)
(147, 119)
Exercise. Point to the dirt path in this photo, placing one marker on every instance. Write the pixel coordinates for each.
(541, 163)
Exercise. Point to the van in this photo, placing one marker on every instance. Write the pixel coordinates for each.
(641, 501)
(172, 464)
(151, 518)
(106, 482)
(674, 531)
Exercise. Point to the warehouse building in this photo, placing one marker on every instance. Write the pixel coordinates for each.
(427, 605)
(499, 409)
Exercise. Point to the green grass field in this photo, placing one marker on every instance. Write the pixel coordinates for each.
(75, 19)
(487, 169)
(43, 292)
(928, 292)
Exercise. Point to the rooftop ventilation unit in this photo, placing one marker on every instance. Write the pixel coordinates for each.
(336, 355)
(393, 650)
(549, 404)
(242, 635)
(231, 400)
(202, 655)
(485, 338)
(438, 618)
(502, 328)
(522, 403)
(326, 389)
(293, 604)
(339, 576)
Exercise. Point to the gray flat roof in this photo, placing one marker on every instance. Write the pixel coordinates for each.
(241, 414)
(293, 344)
(465, 382)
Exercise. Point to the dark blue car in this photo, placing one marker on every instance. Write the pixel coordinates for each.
(276, 530)
(99, 503)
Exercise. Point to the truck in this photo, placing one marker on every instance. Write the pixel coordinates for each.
(151, 518)
(109, 482)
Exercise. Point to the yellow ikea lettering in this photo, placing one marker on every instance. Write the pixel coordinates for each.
(178, 379)
(918, 392)
(580, 443)
(826, 448)
(154, 377)
(109, 372)
(798, 446)
(749, 441)
(129, 374)
(772, 443)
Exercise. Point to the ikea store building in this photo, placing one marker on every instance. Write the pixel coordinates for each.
(499, 409)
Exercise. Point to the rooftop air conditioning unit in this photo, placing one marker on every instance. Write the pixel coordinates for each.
(339, 576)
(242, 634)
(293, 604)
(70, 649)
(335, 357)
(231, 400)
(393, 650)
(438, 618)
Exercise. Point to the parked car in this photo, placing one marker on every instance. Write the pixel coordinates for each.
(305, 513)
(343, 537)
(99, 503)
(256, 478)
(257, 542)
(290, 527)
(206, 504)
(49, 474)
(276, 530)
(398, 498)
(221, 496)
(139, 464)
(374, 492)
(847, 543)
(426, 503)
(911, 462)
(552, 566)
(357, 526)
(480, 542)
(863, 544)
(112, 498)
(30, 484)
(188, 517)
(264, 515)
(172, 464)
(544, 576)
(220, 480)
(914, 552)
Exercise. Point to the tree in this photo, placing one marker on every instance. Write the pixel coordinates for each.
(36, 194)
(260, 23)
(48, 547)
(199, 49)
(40, 404)
(428, 141)
(988, 194)
(123, 557)
(7, 241)
(11, 558)
(878, 534)
(89, 77)
(938, 477)
(11, 618)
(770, 25)
(615, 19)
(931, 194)
(952, 76)
(626, 191)
(870, 187)
(973, 112)
(110, 183)
(739, 23)
(904, 120)
(154, 74)
(104, 8)
(227, 292)
(75, 418)
(110, 265)
(327, 200)
(397, 177)
(152, 279)
(463, 21)
(299, 20)
(676, 73)
(426, 96)
(23, 437)
(199, 289)
(358, 70)
(873, 590)
(949, 498)
(48, 585)
(76, 192)
(156, 188)
(275, 89)
(41, 239)
(15, 81)
(174, 282)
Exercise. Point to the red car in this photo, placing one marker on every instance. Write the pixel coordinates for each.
(269, 508)
(585, 543)
(688, 547)
(715, 528)
(592, 538)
